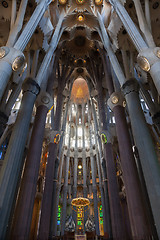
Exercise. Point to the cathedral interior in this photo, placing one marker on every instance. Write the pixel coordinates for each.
(79, 119)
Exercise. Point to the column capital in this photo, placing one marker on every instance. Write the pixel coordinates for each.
(10, 54)
(129, 86)
(116, 99)
(30, 85)
(45, 99)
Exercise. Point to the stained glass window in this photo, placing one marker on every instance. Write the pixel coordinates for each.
(59, 215)
(100, 214)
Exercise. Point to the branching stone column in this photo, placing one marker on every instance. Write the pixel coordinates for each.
(6, 104)
(24, 208)
(148, 58)
(65, 187)
(122, 81)
(146, 149)
(94, 186)
(131, 180)
(13, 57)
(13, 160)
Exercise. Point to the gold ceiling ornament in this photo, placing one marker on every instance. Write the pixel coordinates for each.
(2, 52)
(62, 2)
(71, 20)
(157, 51)
(143, 63)
(115, 99)
(80, 202)
(98, 2)
(80, 17)
(80, 1)
(18, 62)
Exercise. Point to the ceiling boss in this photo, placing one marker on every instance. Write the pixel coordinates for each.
(80, 1)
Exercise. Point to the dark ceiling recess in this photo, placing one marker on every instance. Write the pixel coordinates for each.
(80, 41)
(80, 70)
(79, 62)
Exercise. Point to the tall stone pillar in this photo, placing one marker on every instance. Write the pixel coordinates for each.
(84, 154)
(99, 176)
(46, 209)
(75, 165)
(24, 207)
(65, 187)
(56, 189)
(146, 149)
(116, 213)
(130, 175)
(3, 122)
(13, 161)
(84, 167)
(114, 200)
(35, 217)
(94, 185)
(106, 207)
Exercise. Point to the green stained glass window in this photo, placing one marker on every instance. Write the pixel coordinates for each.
(100, 214)
(59, 215)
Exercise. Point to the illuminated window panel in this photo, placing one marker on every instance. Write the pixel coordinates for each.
(79, 223)
(79, 215)
(100, 214)
(59, 215)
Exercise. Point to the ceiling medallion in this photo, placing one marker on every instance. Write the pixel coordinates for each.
(80, 17)
(62, 2)
(80, 1)
(115, 99)
(143, 63)
(98, 2)
(18, 63)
